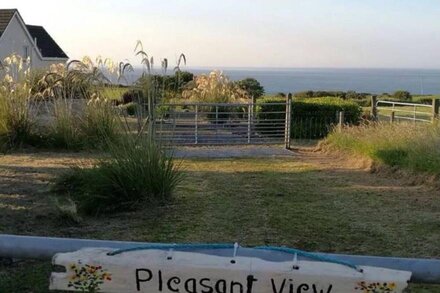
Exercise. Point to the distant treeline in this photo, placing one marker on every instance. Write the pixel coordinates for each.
(349, 95)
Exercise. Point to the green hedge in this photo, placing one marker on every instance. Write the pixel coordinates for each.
(312, 118)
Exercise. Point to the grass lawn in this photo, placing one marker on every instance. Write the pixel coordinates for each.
(309, 201)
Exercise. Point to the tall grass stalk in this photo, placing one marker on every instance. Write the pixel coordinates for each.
(17, 118)
(100, 123)
(64, 129)
(407, 145)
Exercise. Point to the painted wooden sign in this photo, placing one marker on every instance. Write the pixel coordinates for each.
(93, 270)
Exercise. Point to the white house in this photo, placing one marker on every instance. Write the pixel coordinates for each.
(27, 41)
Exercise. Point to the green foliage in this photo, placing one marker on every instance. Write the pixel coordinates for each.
(425, 99)
(130, 109)
(402, 96)
(113, 93)
(251, 86)
(312, 118)
(406, 145)
(137, 171)
(349, 95)
(132, 95)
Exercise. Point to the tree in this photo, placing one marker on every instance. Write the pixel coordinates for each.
(251, 86)
(402, 96)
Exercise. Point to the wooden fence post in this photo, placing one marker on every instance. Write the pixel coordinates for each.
(288, 121)
(392, 117)
(374, 107)
(341, 121)
(435, 109)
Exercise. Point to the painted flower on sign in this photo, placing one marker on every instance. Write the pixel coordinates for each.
(376, 287)
(88, 278)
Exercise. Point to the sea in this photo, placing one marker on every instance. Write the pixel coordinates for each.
(375, 81)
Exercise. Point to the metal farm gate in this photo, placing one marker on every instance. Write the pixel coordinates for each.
(222, 124)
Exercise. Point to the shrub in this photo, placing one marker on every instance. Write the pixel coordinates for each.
(131, 96)
(407, 145)
(363, 102)
(129, 109)
(251, 86)
(349, 95)
(402, 96)
(311, 118)
(135, 172)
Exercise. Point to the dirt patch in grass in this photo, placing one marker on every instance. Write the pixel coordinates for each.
(311, 201)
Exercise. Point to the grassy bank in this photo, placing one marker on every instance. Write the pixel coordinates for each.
(407, 145)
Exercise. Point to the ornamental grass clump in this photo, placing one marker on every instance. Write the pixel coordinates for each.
(100, 123)
(137, 171)
(64, 131)
(17, 113)
(407, 145)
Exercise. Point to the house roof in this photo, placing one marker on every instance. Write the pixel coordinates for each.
(47, 46)
(45, 43)
(5, 17)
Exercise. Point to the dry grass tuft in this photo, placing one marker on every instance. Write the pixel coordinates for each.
(414, 147)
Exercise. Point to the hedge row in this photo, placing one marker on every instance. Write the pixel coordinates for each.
(312, 118)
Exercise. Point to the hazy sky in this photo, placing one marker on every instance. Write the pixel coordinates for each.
(247, 33)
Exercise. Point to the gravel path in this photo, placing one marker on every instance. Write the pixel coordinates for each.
(232, 151)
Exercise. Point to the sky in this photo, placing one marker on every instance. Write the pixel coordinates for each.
(247, 33)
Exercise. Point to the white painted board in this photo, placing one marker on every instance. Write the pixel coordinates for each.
(186, 272)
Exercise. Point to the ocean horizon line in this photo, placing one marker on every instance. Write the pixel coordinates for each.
(238, 68)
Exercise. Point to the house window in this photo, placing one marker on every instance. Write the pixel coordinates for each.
(26, 53)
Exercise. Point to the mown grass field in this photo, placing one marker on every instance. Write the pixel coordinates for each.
(309, 201)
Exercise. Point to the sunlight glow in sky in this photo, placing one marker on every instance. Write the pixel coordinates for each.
(247, 33)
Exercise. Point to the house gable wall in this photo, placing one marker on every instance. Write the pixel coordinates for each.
(14, 40)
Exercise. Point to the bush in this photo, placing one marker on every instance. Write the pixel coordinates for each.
(132, 96)
(129, 109)
(311, 118)
(363, 102)
(251, 86)
(350, 95)
(134, 173)
(402, 96)
(407, 145)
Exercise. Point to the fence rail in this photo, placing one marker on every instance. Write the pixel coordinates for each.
(394, 111)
